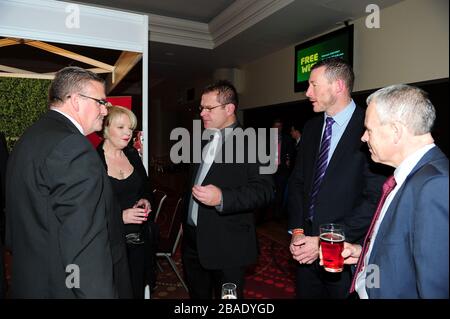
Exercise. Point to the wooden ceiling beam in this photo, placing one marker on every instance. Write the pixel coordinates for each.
(10, 69)
(27, 75)
(126, 61)
(8, 41)
(69, 54)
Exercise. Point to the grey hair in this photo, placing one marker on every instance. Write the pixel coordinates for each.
(406, 104)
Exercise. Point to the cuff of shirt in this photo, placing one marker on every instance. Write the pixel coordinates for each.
(219, 207)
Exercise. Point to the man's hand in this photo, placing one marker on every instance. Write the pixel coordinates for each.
(305, 249)
(350, 253)
(209, 195)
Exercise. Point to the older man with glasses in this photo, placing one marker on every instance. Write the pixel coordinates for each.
(63, 223)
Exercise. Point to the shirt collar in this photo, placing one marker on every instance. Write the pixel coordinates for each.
(71, 119)
(405, 167)
(344, 116)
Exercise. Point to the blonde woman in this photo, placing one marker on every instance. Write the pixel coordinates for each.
(132, 189)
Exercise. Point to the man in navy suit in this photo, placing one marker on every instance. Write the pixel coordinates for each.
(407, 256)
(333, 186)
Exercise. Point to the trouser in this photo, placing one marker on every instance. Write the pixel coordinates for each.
(206, 283)
(313, 282)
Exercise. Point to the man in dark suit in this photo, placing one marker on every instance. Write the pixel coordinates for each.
(406, 250)
(3, 161)
(296, 135)
(62, 223)
(219, 238)
(331, 181)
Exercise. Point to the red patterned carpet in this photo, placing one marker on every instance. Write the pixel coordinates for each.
(273, 277)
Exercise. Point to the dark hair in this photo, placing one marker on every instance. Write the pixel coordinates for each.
(70, 80)
(296, 125)
(226, 92)
(337, 69)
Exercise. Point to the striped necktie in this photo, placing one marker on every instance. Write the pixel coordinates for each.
(321, 165)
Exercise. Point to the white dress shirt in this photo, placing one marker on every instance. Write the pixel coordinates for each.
(71, 119)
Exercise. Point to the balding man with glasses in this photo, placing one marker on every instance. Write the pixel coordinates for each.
(64, 226)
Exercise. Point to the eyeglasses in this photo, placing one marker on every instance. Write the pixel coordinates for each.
(210, 108)
(101, 102)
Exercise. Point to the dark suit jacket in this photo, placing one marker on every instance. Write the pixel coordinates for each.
(411, 247)
(60, 210)
(3, 160)
(228, 239)
(349, 191)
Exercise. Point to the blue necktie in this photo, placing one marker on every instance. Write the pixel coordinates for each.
(321, 165)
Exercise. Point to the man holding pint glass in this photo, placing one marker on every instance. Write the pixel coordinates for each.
(331, 181)
(405, 252)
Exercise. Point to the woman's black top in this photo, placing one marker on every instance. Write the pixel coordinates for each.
(129, 190)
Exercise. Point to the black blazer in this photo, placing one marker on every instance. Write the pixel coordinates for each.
(349, 191)
(228, 238)
(3, 160)
(60, 210)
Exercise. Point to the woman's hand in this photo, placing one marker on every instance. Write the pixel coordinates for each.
(143, 203)
(134, 215)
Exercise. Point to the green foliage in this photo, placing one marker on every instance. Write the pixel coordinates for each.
(22, 101)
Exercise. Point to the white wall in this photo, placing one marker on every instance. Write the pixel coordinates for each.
(411, 45)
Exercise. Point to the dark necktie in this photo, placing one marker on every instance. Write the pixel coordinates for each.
(388, 186)
(321, 165)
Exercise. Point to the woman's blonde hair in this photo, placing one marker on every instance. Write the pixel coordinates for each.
(114, 112)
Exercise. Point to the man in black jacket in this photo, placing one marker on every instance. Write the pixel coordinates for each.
(219, 238)
(331, 181)
(3, 160)
(63, 224)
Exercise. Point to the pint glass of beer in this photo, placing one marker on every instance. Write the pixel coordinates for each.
(332, 243)
(229, 291)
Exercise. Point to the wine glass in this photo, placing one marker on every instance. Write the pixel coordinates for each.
(229, 291)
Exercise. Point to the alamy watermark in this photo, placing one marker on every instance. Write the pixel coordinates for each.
(240, 146)
(373, 19)
(73, 277)
(372, 276)
(73, 17)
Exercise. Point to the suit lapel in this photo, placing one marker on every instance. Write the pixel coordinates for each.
(433, 154)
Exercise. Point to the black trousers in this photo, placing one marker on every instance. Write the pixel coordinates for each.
(313, 282)
(206, 283)
(142, 261)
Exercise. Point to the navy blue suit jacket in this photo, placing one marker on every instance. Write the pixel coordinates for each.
(411, 246)
(349, 191)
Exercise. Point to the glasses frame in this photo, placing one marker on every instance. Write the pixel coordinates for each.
(99, 101)
(209, 109)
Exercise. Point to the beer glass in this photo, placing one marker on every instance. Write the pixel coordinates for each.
(229, 291)
(332, 243)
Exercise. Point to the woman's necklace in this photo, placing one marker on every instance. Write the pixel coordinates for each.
(121, 173)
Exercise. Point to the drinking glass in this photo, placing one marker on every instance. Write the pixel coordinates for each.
(229, 291)
(332, 243)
